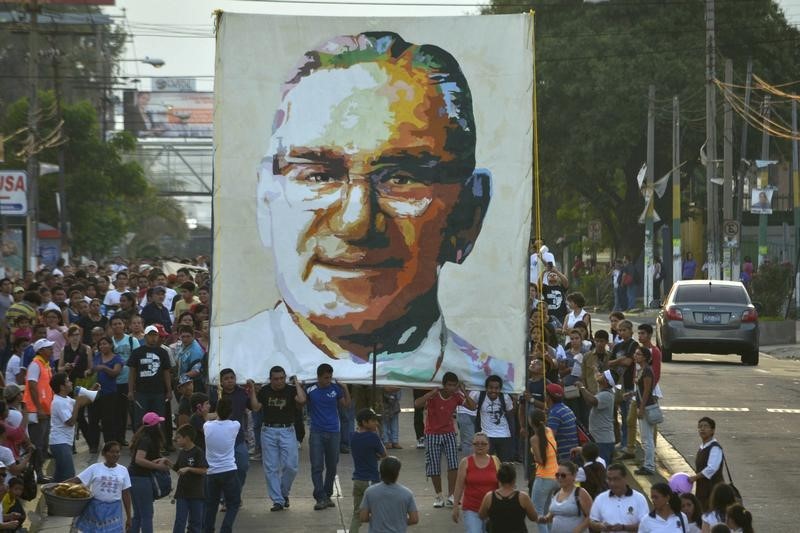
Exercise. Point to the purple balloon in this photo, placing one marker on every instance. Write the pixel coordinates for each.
(680, 483)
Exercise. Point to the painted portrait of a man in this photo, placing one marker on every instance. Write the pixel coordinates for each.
(369, 186)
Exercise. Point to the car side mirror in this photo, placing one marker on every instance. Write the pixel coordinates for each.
(759, 307)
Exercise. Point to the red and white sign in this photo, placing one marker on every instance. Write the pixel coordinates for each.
(13, 193)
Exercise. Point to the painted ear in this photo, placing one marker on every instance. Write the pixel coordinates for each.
(466, 220)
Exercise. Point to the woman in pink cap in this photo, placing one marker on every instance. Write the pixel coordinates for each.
(146, 454)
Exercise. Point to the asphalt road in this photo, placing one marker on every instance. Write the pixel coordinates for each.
(757, 411)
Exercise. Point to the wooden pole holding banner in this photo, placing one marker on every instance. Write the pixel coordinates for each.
(763, 180)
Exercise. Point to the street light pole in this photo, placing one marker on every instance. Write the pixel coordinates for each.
(711, 144)
(31, 220)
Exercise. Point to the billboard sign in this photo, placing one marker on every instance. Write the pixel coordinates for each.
(169, 113)
(181, 85)
(13, 193)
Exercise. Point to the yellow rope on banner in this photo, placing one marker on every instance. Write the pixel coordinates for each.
(537, 211)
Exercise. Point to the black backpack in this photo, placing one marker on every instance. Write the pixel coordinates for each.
(481, 398)
(595, 479)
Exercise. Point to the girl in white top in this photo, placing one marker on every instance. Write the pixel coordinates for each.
(575, 303)
(666, 516)
(110, 486)
(690, 506)
(722, 497)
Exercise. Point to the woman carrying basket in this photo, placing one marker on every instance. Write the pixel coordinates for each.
(109, 483)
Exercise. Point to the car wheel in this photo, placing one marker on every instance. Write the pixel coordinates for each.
(666, 355)
(750, 357)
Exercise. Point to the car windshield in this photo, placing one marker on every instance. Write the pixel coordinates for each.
(723, 294)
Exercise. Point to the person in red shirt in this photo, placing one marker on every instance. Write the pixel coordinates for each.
(440, 433)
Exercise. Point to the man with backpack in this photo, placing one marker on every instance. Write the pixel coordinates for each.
(493, 412)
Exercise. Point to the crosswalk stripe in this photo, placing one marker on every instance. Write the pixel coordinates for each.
(713, 409)
(789, 411)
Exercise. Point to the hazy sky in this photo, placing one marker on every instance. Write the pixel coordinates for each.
(172, 29)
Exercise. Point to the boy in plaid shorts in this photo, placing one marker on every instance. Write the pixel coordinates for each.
(440, 433)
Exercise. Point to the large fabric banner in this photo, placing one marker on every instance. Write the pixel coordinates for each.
(372, 197)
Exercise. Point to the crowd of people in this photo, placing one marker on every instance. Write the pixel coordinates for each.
(117, 354)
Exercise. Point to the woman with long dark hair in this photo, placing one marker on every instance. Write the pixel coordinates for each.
(543, 447)
(722, 497)
(108, 366)
(739, 519)
(666, 514)
(146, 457)
(644, 398)
(506, 508)
(693, 510)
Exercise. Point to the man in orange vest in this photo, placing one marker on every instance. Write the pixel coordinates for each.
(38, 397)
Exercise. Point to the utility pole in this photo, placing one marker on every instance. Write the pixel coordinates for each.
(32, 220)
(796, 198)
(62, 187)
(711, 144)
(649, 206)
(763, 181)
(727, 171)
(742, 166)
(676, 192)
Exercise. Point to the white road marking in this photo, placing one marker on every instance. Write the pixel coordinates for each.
(714, 409)
(762, 370)
(789, 411)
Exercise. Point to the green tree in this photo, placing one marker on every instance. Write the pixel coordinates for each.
(594, 65)
(107, 195)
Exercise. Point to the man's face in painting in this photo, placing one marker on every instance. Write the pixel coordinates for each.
(360, 188)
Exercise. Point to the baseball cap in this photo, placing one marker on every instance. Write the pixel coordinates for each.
(152, 419)
(150, 329)
(18, 289)
(12, 390)
(144, 267)
(159, 288)
(184, 379)
(91, 263)
(42, 344)
(555, 390)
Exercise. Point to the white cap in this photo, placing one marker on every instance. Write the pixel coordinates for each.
(150, 329)
(41, 344)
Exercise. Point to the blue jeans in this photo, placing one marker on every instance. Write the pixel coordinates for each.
(142, 496)
(606, 450)
(624, 406)
(146, 402)
(347, 416)
(543, 489)
(65, 468)
(191, 510)
(242, 458)
(647, 431)
(466, 430)
(280, 460)
(225, 484)
(631, 295)
(258, 419)
(324, 454)
(391, 429)
(473, 522)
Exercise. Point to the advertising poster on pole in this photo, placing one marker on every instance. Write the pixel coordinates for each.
(372, 198)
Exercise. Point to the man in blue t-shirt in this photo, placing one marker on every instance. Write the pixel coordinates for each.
(324, 399)
(561, 420)
(366, 447)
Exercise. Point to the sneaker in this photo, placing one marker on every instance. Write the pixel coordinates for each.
(438, 501)
(626, 455)
(276, 507)
(643, 472)
(420, 443)
(449, 501)
(329, 503)
(344, 449)
(320, 505)
(285, 502)
(255, 457)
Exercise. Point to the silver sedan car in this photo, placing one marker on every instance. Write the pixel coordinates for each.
(708, 316)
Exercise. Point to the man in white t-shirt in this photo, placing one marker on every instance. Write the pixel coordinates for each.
(111, 300)
(221, 478)
(492, 414)
(620, 508)
(63, 414)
